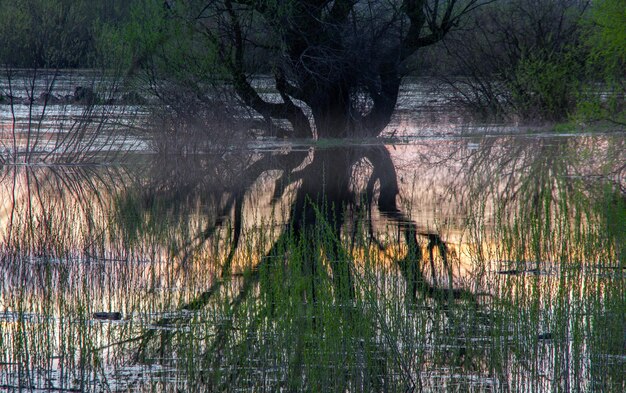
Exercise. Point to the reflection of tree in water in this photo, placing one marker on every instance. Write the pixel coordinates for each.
(537, 186)
(308, 279)
(335, 194)
(536, 182)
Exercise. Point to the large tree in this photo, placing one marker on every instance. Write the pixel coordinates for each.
(336, 65)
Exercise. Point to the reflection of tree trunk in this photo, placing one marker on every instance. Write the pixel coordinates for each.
(385, 173)
(410, 265)
(318, 216)
(320, 203)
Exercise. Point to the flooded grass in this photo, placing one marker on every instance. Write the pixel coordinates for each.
(66, 117)
(442, 261)
(500, 269)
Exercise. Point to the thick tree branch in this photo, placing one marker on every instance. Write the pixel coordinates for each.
(286, 110)
(385, 97)
(285, 87)
(421, 14)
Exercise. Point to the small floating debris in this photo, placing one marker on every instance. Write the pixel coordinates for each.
(545, 336)
(612, 358)
(110, 316)
(608, 267)
(513, 272)
(170, 328)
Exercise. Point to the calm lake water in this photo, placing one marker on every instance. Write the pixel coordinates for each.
(452, 257)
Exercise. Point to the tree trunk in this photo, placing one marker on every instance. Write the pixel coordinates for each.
(335, 116)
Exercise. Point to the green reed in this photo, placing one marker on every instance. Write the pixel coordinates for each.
(266, 307)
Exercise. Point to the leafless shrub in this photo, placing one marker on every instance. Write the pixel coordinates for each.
(184, 122)
(517, 58)
(52, 117)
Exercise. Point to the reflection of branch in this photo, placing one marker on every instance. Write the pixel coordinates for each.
(286, 162)
(434, 240)
(251, 278)
(208, 232)
(410, 266)
(204, 297)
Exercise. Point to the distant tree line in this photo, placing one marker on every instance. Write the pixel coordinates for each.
(55, 33)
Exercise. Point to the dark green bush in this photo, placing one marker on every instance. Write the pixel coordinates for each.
(546, 86)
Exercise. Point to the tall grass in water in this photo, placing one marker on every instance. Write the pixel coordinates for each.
(65, 117)
(208, 302)
(85, 262)
(558, 249)
(322, 310)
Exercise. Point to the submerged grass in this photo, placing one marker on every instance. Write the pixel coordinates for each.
(533, 301)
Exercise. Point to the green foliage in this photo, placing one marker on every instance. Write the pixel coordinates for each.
(161, 40)
(522, 58)
(53, 33)
(13, 26)
(546, 85)
(607, 38)
(605, 41)
(574, 69)
(119, 41)
(45, 33)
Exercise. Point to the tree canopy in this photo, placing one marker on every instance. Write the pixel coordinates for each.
(54, 33)
(336, 65)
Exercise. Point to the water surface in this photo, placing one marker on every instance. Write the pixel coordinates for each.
(449, 256)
